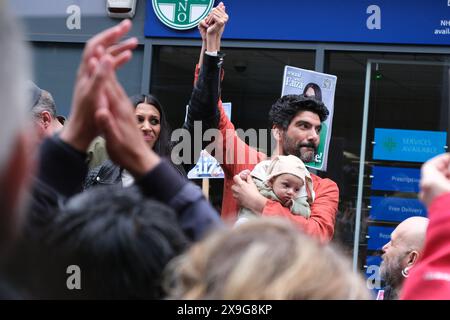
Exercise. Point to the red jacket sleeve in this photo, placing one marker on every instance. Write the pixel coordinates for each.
(430, 278)
(233, 153)
(323, 210)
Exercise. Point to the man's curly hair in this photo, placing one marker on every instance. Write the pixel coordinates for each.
(287, 107)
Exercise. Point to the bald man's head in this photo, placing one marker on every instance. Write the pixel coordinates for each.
(412, 232)
(403, 251)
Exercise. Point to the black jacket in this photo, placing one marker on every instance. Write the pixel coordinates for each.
(205, 95)
(203, 102)
(61, 173)
(108, 173)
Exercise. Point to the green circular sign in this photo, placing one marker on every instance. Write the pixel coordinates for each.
(182, 14)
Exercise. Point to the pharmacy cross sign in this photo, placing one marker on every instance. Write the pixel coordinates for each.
(390, 144)
(181, 14)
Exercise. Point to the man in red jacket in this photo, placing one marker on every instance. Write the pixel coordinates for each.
(296, 123)
(296, 127)
(430, 278)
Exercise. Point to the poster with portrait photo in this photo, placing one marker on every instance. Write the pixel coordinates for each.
(322, 86)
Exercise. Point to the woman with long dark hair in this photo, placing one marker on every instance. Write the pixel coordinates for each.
(151, 120)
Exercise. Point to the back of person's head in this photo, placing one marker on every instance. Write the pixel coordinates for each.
(263, 259)
(35, 93)
(288, 106)
(43, 111)
(120, 241)
(14, 70)
(45, 102)
(163, 146)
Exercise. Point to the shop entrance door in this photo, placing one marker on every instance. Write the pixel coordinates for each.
(405, 122)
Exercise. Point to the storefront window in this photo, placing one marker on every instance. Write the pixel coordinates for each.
(408, 96)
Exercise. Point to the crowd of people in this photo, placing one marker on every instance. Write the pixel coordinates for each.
(102, 192)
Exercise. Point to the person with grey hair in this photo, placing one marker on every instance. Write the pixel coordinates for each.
(44, 113)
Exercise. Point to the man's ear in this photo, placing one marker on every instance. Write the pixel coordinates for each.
(413, 257)
(277, 133)
(46, 119)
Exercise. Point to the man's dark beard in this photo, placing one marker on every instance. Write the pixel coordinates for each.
(290, 147)
(391, 274)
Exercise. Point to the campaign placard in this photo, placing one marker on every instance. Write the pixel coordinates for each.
(395, 209)
(395, 179)
(322, 86)
(408, 145)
